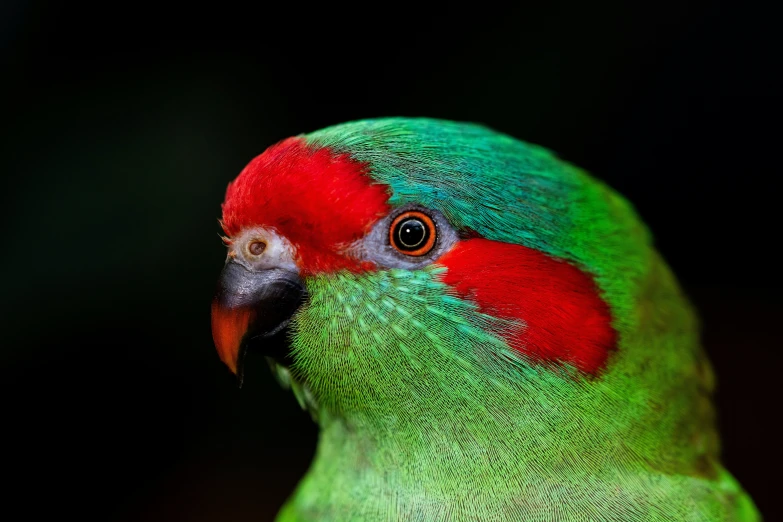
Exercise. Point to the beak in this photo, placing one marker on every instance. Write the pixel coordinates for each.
(252, 304)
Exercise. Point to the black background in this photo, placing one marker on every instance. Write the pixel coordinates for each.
(122, 125)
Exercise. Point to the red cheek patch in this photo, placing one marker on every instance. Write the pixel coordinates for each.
(567, 321)
(319, 200)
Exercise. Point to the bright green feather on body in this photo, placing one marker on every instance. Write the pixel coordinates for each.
(427, 414)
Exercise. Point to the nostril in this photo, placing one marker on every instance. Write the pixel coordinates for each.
(257, 248)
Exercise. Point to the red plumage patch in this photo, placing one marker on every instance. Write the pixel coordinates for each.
(321, 201)
(567, 321)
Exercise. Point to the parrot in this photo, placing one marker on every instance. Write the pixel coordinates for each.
(482, 331)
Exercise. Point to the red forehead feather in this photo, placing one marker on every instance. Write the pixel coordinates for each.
(321, 201)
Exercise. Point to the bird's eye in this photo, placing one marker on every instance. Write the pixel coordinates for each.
(413, 233)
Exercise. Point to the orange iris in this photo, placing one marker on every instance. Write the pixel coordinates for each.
(412, 233)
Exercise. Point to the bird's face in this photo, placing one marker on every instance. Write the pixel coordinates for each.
(438, 292)
(365, 295)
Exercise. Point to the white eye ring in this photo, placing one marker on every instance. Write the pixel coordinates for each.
(380, 246)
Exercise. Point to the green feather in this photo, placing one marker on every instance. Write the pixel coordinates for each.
(427, 414)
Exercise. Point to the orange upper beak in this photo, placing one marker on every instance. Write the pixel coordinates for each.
(229, 327)
(251, 304)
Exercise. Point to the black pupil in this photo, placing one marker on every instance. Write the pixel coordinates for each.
(411, 234)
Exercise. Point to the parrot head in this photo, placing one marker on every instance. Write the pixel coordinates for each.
(400, 266)
(469, 319)
(389, 255)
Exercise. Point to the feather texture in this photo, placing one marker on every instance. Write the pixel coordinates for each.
(430, 406)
